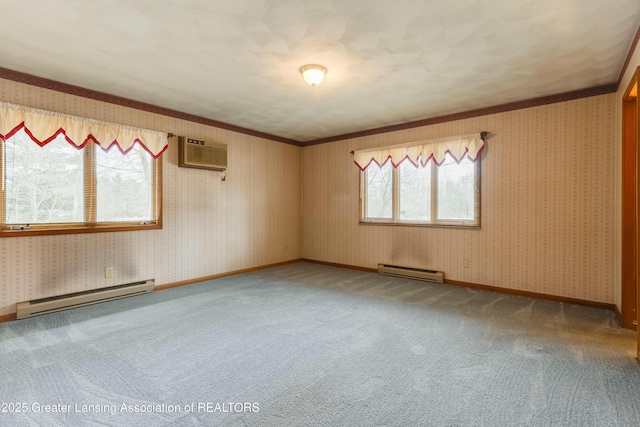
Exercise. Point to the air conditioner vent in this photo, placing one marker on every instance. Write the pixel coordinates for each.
(201, 154)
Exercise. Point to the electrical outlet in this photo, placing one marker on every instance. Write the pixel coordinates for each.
(465, 262)
(108, 272)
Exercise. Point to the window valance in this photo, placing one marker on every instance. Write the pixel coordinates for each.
(43, 126)
(419, 153)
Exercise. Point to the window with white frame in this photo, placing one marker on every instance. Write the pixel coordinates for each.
(67, 174)
(398, 187)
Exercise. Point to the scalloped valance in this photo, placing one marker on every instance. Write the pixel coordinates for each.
(44, 126)
(420, 152)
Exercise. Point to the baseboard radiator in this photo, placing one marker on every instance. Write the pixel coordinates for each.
(79, 299)
(411, 273)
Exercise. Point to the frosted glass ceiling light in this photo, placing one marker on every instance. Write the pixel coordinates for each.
(313, 73)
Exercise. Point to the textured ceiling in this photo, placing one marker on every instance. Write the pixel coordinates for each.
(237, 61)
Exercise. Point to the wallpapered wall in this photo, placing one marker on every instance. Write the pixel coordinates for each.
(547, 209)
(210, 226)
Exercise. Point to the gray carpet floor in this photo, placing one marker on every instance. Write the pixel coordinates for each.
(313, 345)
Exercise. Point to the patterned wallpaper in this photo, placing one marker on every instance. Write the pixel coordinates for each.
(210, 226)
(548, 181)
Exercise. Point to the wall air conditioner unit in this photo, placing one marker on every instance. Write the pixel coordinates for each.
(201, 154)
(411, 273)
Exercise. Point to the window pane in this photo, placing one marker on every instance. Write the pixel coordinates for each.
(125, 185)
(415, 192)
(379, 191)
(456, 193)
(44, 185)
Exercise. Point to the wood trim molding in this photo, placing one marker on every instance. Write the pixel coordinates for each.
(8, 318)
(518, 292)
(632, 48)
(607, 306)
(518, 105)
(29, 79)
(508, 291)
(333, 264)
(619, 316)
(221, 275)
(629, 215)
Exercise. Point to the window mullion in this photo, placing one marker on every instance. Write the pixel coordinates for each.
(434, 191)
(363, 192)
(90, 183)
(395, 191)
(3, 216)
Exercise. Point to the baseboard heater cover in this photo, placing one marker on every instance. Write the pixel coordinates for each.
(411, 273)
(78, 299)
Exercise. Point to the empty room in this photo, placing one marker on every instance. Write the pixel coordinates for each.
(319, 213)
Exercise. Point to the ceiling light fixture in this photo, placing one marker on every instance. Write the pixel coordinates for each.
(313, 73)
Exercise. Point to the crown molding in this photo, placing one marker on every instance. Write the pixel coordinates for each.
(32, 80)
(518, 105)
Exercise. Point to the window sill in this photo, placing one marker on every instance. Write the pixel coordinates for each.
(75, 229)
(442, 224)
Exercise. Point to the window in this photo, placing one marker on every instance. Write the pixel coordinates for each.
(61, 187)
(42, 184)
(125, 186)
(405, 190)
